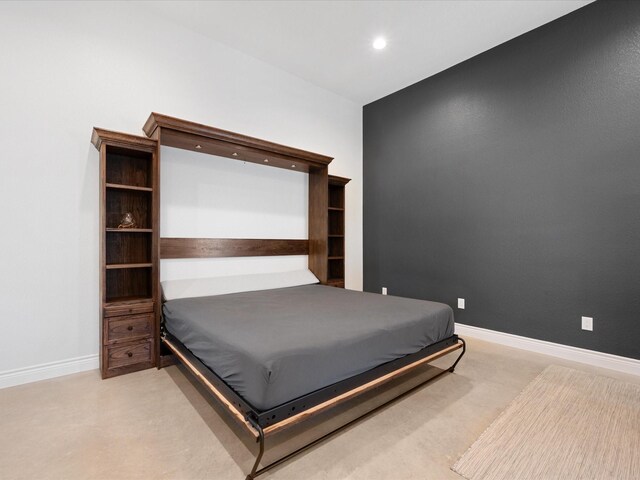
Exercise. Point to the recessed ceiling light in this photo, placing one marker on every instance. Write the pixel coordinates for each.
(266, 160)
(198, 147)
(293, 165)
(234, 154)
(379, 43)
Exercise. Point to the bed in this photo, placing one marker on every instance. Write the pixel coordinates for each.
(275, 347)
(272, 350)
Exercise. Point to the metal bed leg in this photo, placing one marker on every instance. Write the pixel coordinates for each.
(464, 349)
(256, 471)
(260, 440)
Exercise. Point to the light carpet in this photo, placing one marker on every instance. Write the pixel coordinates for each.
(564, 425)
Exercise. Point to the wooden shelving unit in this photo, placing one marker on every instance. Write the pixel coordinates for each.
(128, 258)
(335, 237)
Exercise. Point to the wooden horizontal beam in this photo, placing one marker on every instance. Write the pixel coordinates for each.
(234, 151)
(288, 422)
(230, 247)
(237, 415)
(215, 141)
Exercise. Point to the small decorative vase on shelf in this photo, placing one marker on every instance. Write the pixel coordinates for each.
(127, 221)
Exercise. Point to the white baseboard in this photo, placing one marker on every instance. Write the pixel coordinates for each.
(44, 371)
(581, 355)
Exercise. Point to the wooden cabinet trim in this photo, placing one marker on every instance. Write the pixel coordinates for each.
(186, 135)
(120, 139)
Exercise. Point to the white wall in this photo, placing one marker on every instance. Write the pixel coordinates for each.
(214, 197)
(69, 66)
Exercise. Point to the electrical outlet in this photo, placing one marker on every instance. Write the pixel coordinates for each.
(384, 290)
(587, 323)
(461, 303)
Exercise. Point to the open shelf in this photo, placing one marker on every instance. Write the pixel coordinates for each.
(336, 222)
(127, 247)
(336, 268)
(129, 230)
(128, 282)
(336, 247)
(335, 240)
(336, 196)
(119, 202)
(129, 167)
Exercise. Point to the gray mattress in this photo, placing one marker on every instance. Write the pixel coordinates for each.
(272, 346)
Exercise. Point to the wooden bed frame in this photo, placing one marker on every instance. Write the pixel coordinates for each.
(262, 424)
(187, 135)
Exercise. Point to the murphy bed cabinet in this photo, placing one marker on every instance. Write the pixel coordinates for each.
(128, 259)
(335, 260)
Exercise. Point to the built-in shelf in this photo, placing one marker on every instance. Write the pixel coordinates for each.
(129, 187)
(115, 266)
(130, 230)
(128, 263)
(335, 244)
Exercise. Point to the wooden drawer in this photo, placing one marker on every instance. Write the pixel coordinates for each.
(121, 355)
(128, 327)
(127, 309)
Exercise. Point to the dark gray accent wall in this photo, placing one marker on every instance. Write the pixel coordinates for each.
(513, 180)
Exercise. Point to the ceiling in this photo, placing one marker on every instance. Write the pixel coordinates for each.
(328, 43)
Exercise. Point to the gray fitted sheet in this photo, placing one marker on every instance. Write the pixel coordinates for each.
(272, 346)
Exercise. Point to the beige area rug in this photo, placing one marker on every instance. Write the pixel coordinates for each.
(564, 425)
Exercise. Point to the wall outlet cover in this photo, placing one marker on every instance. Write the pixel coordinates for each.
(461, 303)
(587, 323)
(384, 290)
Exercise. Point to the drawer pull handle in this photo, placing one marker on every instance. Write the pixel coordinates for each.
(130, 327)
(129, 354)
